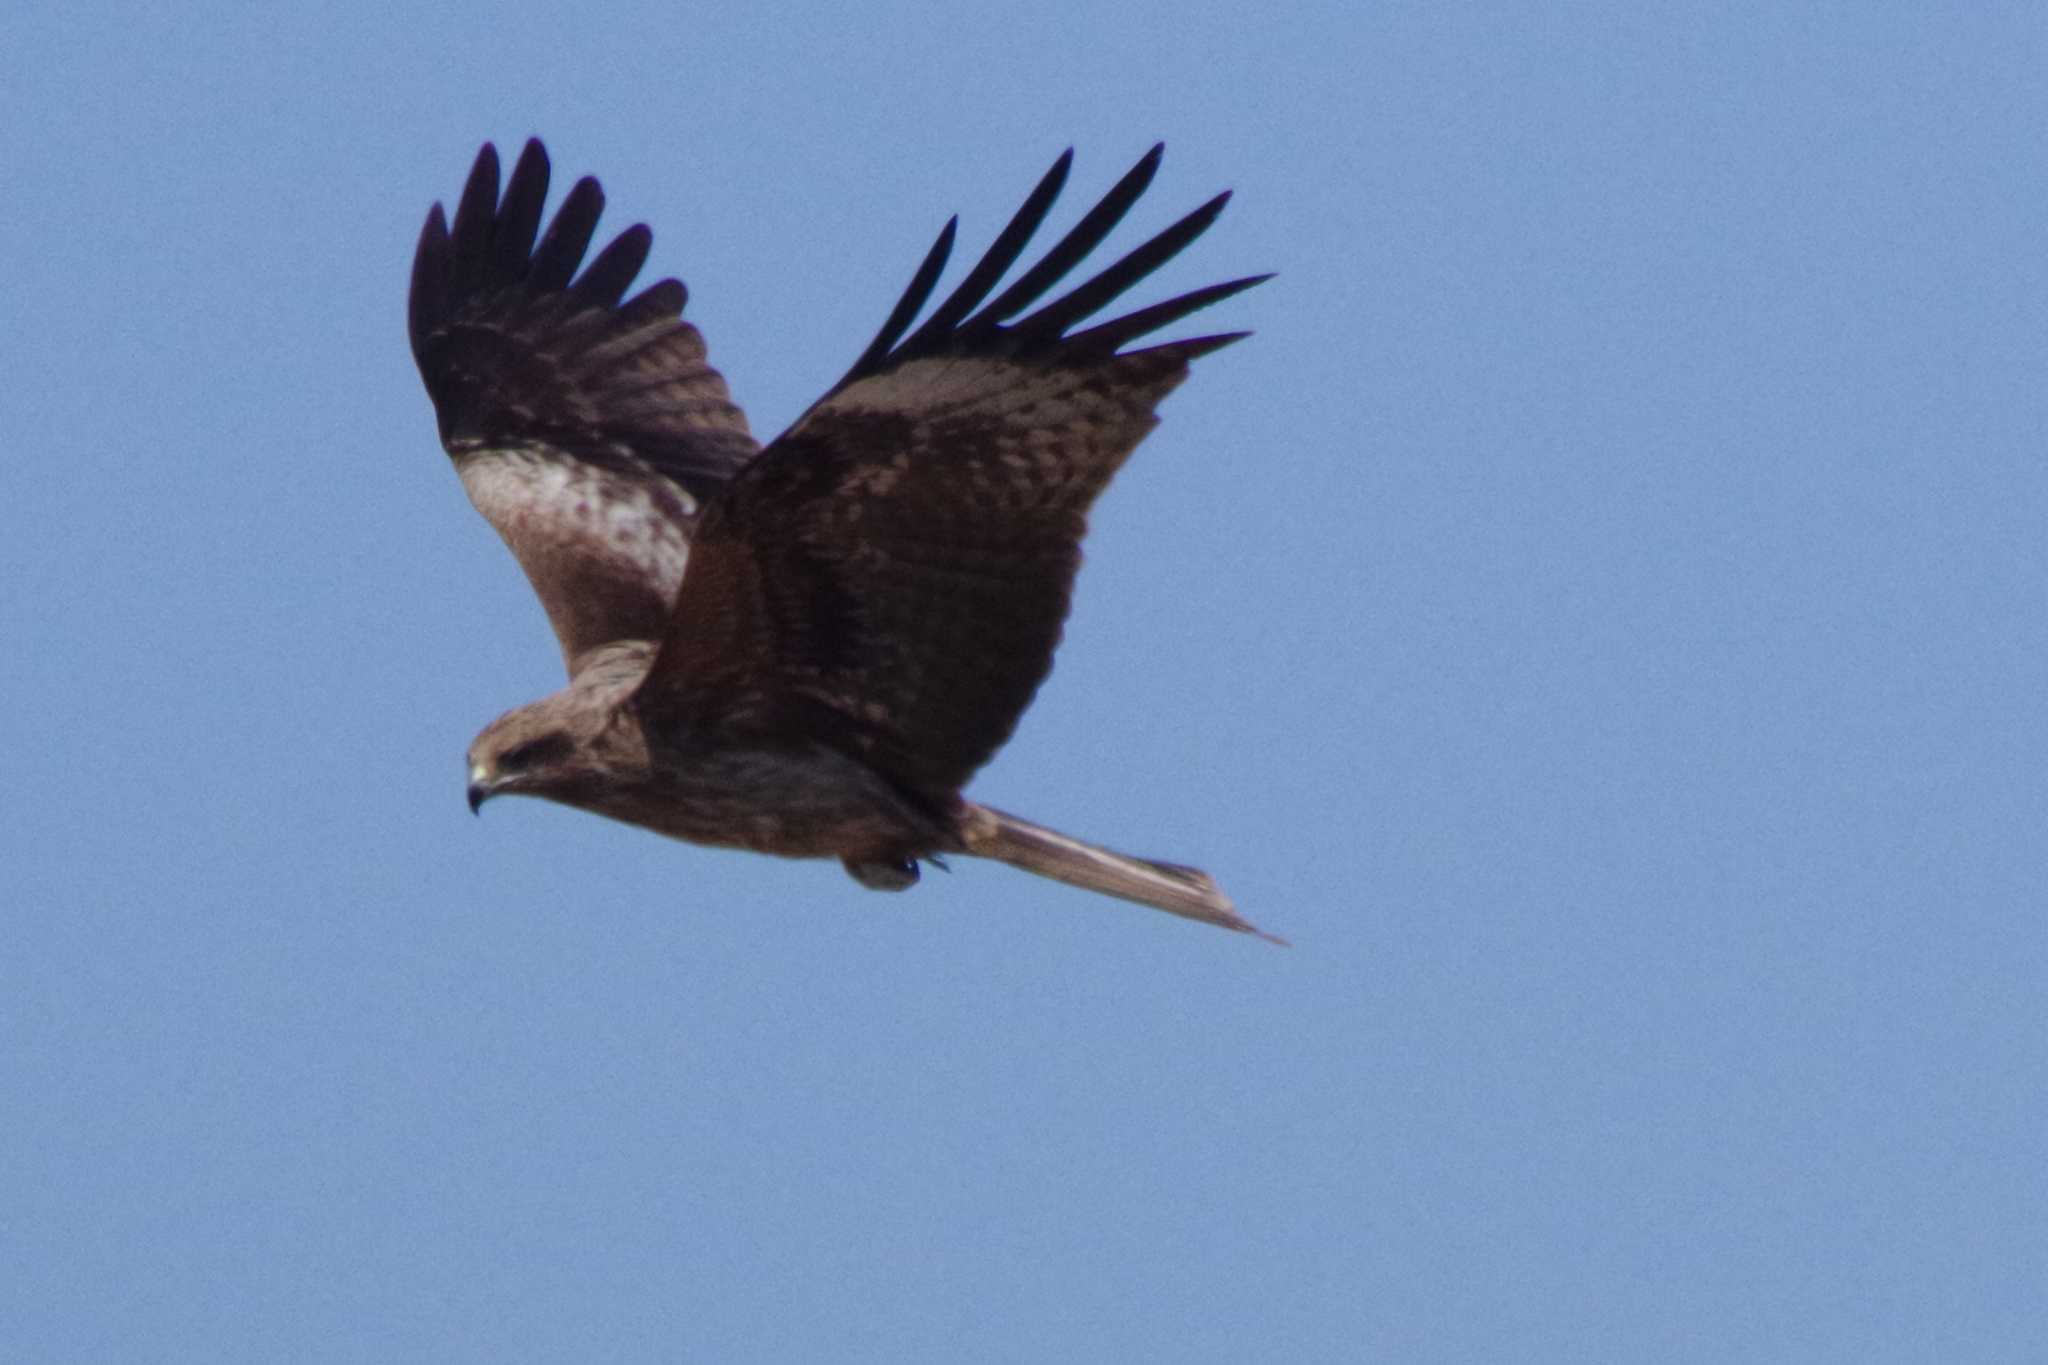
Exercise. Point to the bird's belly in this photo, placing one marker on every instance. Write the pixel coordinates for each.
(809, 804)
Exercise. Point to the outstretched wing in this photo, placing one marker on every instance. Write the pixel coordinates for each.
(587, 430)
(891, 575)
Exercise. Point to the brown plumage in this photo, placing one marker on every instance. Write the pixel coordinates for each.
(805, 649)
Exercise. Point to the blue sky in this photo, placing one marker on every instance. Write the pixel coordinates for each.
(1598, 617)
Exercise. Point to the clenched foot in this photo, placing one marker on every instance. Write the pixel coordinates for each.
(883, 874)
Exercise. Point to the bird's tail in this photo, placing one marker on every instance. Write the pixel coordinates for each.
(1178, 890)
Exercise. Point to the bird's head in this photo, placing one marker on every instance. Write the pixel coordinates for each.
(539, 750)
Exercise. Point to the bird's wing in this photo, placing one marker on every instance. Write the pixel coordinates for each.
(587, 430)
(892, 573)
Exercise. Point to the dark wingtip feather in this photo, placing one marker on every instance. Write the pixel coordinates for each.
(1112, 336)
(1193, 348)
(518, 216)
(567, 238)
(488, 245)
(662, 299)
(470, 235)
(427, 300)
(1052, 321)
(1068, 252)
(949, 330)
(914, 294)
(604, 281)
(997, 260)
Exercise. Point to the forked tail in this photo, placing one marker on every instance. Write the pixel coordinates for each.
(1170, 887)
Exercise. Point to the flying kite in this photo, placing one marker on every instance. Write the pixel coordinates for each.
(804, 648)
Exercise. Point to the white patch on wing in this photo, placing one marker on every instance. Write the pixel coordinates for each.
(547, 504)
(605, 552)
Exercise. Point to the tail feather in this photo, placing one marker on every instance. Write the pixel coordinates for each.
(1178, 890)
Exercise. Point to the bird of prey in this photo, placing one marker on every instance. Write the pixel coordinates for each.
(804, 648)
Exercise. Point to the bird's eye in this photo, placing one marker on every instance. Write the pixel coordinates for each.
(533, 752)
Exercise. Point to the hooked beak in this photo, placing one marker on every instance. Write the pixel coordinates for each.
(479, 790)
